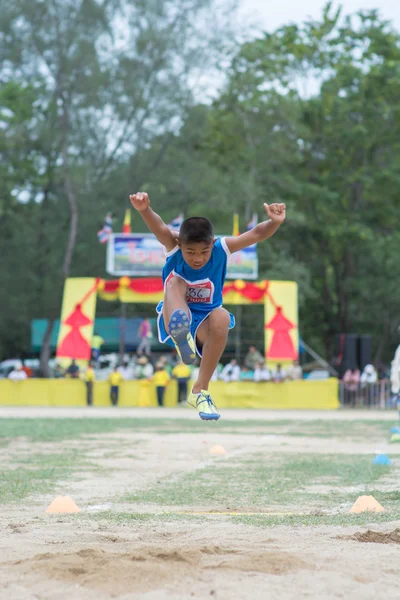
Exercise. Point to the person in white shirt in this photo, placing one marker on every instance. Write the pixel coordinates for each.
(231, 372)
(395, 374)
(17, 374)
(295, 371)
(144, 369)
(126, 371)
(279, 375)
(369, 375)
(261, 372)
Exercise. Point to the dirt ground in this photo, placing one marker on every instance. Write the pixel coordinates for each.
(46, 557)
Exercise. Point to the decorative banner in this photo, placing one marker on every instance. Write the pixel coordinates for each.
(135, 254)
(281, 322)
(79, 305)
(141, 254)
(77, 318)
(151, 290)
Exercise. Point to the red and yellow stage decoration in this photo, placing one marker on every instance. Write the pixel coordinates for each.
(77, 320)
(278, 297)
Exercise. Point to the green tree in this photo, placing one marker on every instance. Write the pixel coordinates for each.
(310, 116)
(112, 76)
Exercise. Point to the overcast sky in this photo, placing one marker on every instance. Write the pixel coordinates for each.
(270, 14)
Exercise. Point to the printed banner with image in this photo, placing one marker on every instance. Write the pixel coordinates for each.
(141, 254)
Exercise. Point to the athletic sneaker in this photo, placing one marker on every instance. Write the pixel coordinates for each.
(179, 330)
(205, 405)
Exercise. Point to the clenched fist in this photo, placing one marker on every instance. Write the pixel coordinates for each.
(140, 201)
(276, 212)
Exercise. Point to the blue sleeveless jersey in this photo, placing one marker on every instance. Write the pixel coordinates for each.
(204, 292)
(204, 288)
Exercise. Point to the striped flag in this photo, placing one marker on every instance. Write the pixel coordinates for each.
(177, 222)
(126, 227)
(104, 233)
(254, 220)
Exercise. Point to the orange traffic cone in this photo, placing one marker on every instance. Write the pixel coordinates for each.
(366, 504)
(217, 450)
(63, 504)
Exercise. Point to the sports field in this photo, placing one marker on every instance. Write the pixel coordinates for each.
(162, 517)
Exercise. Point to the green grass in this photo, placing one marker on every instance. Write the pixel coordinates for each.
(260, 481)
(134, 517)
(276, 481)
(16, 484)
(344, 520)
(39, 473)
(47, 430)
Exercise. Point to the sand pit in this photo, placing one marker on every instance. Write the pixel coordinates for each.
(162, 518)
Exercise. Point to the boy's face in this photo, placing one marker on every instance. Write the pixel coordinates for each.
(196, 254)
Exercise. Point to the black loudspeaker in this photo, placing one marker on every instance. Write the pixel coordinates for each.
(364, 351)
(346, 352)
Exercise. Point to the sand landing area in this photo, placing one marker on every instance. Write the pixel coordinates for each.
(161, 516)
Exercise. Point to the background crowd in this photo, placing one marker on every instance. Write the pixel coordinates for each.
(369, 386)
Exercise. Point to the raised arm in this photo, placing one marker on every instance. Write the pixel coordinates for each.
(154, 222)
(262, 231)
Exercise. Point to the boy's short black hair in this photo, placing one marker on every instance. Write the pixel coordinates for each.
(196, 229)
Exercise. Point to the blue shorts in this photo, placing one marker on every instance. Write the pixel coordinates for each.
(196, 319)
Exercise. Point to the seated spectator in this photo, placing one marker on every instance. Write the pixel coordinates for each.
(161, 379)
(246, 374)
(73, 370)
(368, 375)
(17, 374)
(351, 380)
(278, 375)
(370, 392)
(252, 358)
(144, 369)
(126, 371)
(231, 371)
(28, 370)
(164, 360)
(58, 371)
(261, 372)
(294, 372)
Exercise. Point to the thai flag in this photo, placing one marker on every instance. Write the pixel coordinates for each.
(104, 233)
(177, 222)
(251, 224)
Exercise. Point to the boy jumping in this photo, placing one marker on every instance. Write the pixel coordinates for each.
(191, 318)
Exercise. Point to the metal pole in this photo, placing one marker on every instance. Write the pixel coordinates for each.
(319, 359)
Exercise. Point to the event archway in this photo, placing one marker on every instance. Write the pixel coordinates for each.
(79, 309)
